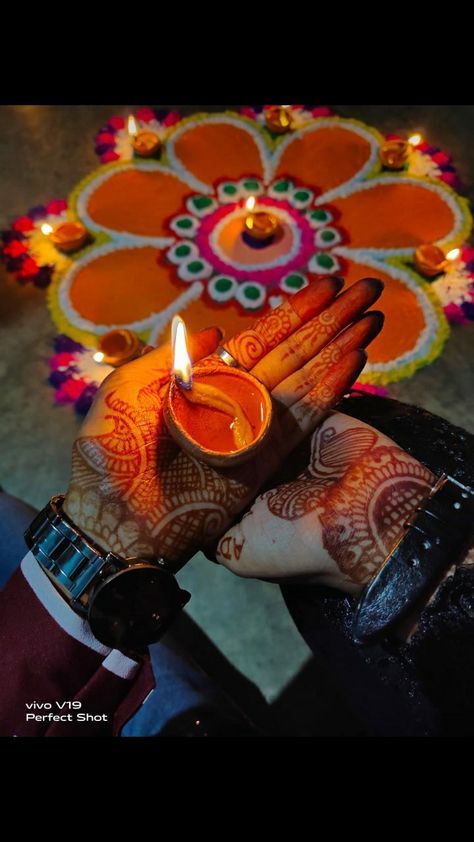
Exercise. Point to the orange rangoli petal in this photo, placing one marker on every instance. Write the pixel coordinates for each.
(324, 158)
(394, 215)
(213, 151)
(138, 202)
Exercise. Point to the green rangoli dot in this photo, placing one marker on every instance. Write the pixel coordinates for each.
(281, 186)
(195, 266)
(319, 215)
(252, 293)
(294, 281)
(230, 189)
(182, 251)
(223, 284)
(201, 202)
(251, 184)
(184, 223)
(301, 195)
(325, 261)
(328, 236)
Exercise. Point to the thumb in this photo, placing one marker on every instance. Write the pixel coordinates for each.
(200, 345)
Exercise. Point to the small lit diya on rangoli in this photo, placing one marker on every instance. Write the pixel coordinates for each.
(118, 346)
(260, 227)
(278, 119)
(68, 236)
(220, 415)
(145, 142)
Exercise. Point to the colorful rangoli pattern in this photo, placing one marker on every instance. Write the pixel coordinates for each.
(166, 236)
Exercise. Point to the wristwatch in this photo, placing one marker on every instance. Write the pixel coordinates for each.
(128, 602)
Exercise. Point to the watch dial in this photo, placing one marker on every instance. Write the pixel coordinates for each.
(134, 607)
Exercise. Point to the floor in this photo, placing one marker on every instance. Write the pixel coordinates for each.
(44, 152)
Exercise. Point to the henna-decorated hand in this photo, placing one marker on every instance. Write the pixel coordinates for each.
(133, 491)
(339, 517)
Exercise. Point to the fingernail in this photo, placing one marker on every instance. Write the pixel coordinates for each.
(376, 283)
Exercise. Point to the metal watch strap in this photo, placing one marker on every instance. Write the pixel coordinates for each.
(436, 535)
(64, 553)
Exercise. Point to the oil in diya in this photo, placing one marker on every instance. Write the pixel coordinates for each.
(145, 142)
(68, 236)
(218, 414)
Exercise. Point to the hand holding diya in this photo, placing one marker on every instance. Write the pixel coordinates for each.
(219, 414)
(305, 354)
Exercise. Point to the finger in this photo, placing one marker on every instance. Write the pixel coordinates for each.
(249, 346)
(304, 416)
(313, 336)
(358, 335)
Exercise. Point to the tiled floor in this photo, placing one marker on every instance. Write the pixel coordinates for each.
(44, 152)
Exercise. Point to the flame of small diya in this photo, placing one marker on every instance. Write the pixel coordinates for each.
(132, 125)
(46, 229)
(453, 254)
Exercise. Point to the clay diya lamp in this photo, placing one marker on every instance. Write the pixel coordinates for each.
(278, 119)
(260, 227)
(430, 260)
(67, 236)
(394, 154)
(218, 414)
(118, 346)
(145, 143)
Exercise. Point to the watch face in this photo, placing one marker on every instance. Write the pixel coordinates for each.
(135, 606)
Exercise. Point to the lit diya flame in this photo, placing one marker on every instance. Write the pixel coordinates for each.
(144, 142)
(68, 236)
(453, 254)
(259, 225)
(182, 366)
(219, 414)
(415, 139)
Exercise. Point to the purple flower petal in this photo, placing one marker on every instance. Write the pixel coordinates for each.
(9, 236)
(65, 343)
(85, 399)
(42, 279)
(56, 378)
(37, 212)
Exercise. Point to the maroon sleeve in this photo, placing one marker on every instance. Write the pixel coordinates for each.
(51, 666)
